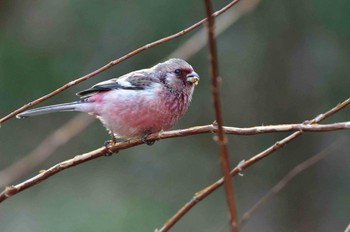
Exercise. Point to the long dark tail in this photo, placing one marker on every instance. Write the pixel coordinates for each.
(71, 106)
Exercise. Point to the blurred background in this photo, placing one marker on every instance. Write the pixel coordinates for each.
(283, 62)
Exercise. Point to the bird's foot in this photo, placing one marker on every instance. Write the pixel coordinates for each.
(109, 144)
(144, 140)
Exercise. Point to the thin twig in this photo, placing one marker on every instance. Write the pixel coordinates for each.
(347, 228)
(221, 137)
(12, 190)
(197, 41)
(115, 62)
(245, 164)
(59, 137)
(289, 177)
(254, 130)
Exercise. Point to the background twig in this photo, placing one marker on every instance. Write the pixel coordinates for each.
(289, 177)
(197, 41)
(45, 149)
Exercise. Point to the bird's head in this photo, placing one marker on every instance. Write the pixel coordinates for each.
(177, 74)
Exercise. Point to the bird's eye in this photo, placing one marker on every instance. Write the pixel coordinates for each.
(178, 71)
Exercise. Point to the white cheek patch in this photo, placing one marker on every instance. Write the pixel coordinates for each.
(171, 78)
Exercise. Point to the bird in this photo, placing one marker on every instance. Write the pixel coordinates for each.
(138, 103)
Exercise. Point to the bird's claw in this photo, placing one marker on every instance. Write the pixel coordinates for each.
(144, 140)
(109, 144)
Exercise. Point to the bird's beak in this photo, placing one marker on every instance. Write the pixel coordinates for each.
(193, 78)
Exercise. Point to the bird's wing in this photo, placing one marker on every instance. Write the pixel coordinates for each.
(138, 80)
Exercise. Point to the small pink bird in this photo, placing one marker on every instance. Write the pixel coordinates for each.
(138, 103)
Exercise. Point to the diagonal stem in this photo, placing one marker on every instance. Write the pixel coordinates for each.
(288, 178)
(222, 139)
(245, 164)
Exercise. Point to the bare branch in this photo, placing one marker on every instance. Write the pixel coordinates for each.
(45, 149)
(289, 177)
(221, 137)
(347, 228)
(287, 127)
(115, 62)
(245, 164)
(78, 123)
(197, 41)
(12, 190)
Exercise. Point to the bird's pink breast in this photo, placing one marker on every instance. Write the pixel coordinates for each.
(130, 114)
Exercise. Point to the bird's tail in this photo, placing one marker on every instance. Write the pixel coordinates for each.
(71, 106)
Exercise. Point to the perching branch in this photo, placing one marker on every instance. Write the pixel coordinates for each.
(12, 190)
(245, 164)
(221, 137)
(78, 123)
(115, 62)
